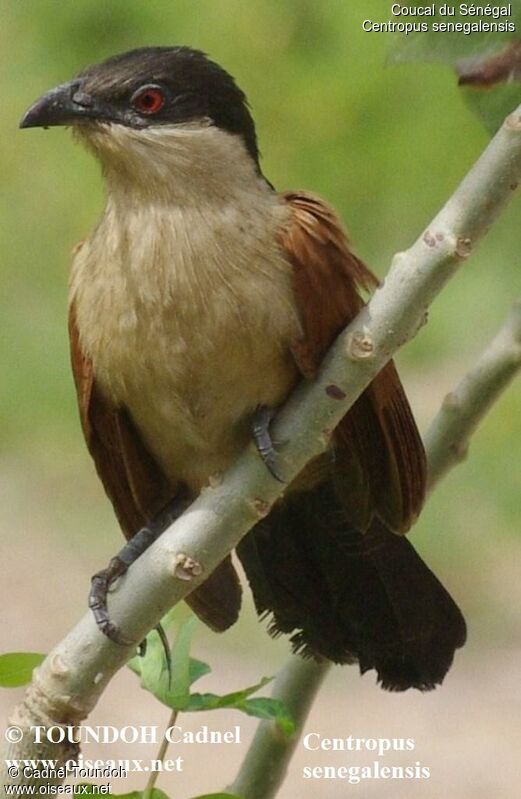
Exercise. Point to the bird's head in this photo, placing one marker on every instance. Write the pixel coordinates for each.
(158, 96)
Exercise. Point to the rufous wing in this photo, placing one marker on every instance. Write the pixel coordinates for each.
(136, 485)
(380, 460)
(326, 563)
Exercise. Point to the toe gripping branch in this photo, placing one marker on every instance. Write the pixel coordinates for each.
(104, 580)
(262, 419)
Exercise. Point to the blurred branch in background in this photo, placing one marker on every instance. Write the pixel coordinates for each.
(264, 768)
(69, 682)
(447, 438)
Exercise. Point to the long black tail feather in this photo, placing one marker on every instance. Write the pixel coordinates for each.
(351, 596)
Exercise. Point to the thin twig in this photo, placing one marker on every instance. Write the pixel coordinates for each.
(147, 793)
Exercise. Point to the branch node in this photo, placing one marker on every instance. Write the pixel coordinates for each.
(451, 402)
(430, 239)
(397, 259)
(513, 121)
(261, 508)
(463, 247)
(424, 318)
(215, 480)
(185, 567)
(460, 451)
(360, 345)
(58, 666)
(325, 437)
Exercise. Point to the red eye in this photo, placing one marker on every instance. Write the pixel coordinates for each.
(148, 99)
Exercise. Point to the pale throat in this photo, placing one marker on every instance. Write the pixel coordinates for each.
(180, 163)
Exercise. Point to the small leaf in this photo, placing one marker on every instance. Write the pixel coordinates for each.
(261, 707)
(179, 690)
(273, 709)
(153, 670)
(186, 670)
(233, 700)
(16, 668)
(198, 669)
(151, 667)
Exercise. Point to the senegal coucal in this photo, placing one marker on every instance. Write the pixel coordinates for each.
(197, 303)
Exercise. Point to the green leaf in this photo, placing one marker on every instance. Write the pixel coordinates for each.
(233, 700)
(272, 709)
(261, 707)
(198, 669)
(153, 671)
(180, 689)
(16, 668)
(152, 668)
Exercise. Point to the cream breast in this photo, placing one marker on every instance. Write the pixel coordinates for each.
(183, 298)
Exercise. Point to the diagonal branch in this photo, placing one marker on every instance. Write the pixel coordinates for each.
(447, 438)
(69, 682)
(264, 768)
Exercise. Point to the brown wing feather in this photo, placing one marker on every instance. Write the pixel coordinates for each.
(322, 563)
(136, 485)
(380, 456)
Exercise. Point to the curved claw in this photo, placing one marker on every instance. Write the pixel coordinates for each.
(261, 435)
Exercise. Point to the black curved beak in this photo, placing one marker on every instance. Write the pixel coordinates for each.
(64, 105)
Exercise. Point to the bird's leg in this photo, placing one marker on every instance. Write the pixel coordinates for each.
(103, 580)
(262, 419)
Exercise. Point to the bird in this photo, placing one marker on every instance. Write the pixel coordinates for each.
(201, 298)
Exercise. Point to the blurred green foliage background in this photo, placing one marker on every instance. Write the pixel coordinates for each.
(385, 144)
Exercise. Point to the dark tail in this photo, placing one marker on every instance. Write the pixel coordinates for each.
(351, 597)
